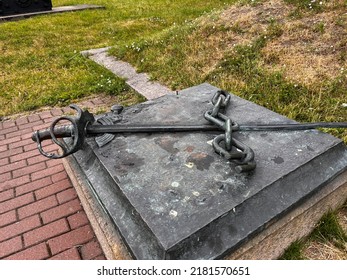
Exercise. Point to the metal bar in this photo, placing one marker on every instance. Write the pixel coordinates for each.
(99, 129)
(113, 129)
(93, 130)
(294, 126)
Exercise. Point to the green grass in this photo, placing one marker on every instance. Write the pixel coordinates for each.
(199, 51)
(39, 56)
(327, 230)
(294, 251)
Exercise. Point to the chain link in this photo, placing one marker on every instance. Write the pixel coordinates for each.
(224, 144)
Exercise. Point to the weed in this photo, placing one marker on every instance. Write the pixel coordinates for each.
(329, 229)
(319, 27)
(313, 5)
(294, 251)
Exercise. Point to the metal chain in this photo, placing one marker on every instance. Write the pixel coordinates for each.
(224, 144)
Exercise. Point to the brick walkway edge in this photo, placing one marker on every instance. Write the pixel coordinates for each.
(40, 214)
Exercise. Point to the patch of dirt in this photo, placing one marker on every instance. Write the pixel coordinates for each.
(310, 49)
(306, 50)
(254, 19)
(237, 25)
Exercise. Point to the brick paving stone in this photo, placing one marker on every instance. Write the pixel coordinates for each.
(13, 166)
(50, 147)
(53, 189)
(91, 250)
(20, 143)
(34, 185)
(4, 178)
(9, 123)
(45, 232)
(70, 254)
(6, 195)
(10, 140)
(98, 101)
(12, 152)
(77, 220)
(34, 118)
(73, 238)
(30, 125)
(37, 207)
(49, 121)
(88, 104)
(10, 246)
(19, 227)
(44, 125)
(11, 183)
(4, 161)
(37, 159)
(30, 147)
(45, 115)
(29, 169)
(56, 112)
(53, 162)
(25, 155)
(7, 131)
(21, 120)
(3, 148)
(35, 190)
(18, 133)
(38, 252)
(16, 202)
(61, 211)
(26, 135)
(66, 195)
(47, 172)
(8, 218)
(59, 176)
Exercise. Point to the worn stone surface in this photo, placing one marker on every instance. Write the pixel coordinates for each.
(138, 81)
(171, 197)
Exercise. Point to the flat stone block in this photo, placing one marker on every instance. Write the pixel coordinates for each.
(54, 10)
(170, 196)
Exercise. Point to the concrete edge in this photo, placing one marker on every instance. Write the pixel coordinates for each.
(140, 82)
(106, 234)
(55, 10)
(277, 237)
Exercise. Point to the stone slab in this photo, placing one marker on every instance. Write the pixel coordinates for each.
(140, 82)
(54, 10)
(172, 197)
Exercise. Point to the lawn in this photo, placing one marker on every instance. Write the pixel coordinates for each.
(290, 56)
(40, 57)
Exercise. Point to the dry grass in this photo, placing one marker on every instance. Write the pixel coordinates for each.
(310, 49)
(305, 50)
(329, 246)
(261, 52)
(316, 250)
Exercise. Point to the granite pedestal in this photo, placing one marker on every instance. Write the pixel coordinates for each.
(170, 196)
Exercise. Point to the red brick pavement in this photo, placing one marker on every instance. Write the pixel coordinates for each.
(40, 214)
